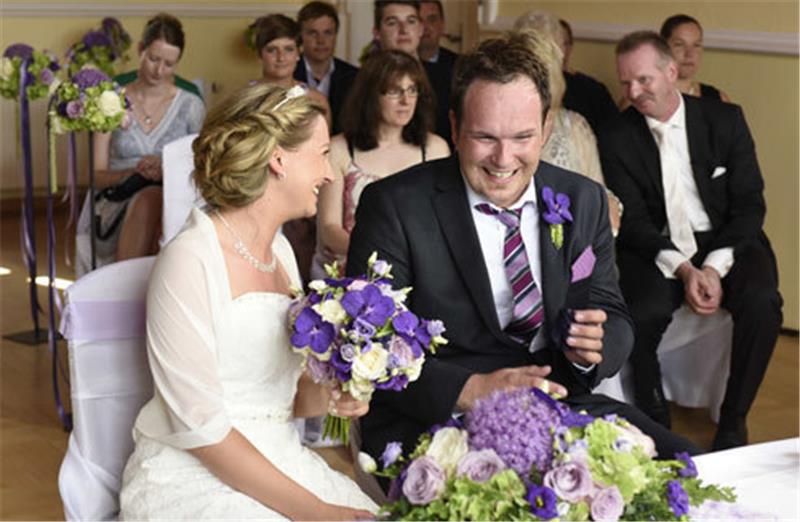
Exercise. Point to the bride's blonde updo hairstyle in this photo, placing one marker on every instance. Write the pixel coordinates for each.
(232, 152)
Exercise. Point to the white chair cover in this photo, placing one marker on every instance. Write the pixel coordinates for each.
(104, 323)
(180, 194)
(695, 356)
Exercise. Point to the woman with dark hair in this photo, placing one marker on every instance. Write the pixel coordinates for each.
(128, 161)
(386, 119)
(684, 35)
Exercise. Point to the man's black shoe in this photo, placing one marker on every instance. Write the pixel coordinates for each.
(655, 405)
(730, 435)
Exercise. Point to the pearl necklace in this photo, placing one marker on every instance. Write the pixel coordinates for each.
(242, 250)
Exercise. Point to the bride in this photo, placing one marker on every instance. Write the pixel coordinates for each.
(217, 440)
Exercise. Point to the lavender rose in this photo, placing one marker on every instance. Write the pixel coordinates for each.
(480, 466)
(424, 481)
(607, 504)
(46, 76)
(571, 481)
(74, 109)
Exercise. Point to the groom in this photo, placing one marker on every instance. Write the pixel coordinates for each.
(446, 228)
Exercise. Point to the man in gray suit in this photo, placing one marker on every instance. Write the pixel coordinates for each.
(557, 319)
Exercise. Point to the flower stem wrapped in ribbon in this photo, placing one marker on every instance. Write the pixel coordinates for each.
(556, 215)
(358, 335)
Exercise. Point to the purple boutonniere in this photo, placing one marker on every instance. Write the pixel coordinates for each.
(556, 215)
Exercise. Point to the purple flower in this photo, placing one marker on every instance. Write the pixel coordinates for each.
(689, 469)
(347, 352)
(311, 330)
(677, 498)
(518, 425)
(362, 330)
(46, 76)
(369, 304)
(339, 362)
(405, 323)
(435, 327)
(424, 481)
(19, 50)
(74, 109)
(400, 353)
(391, 453)
(396, 383)
(319, 371)
(479, 466)
(607, 504)
(571, 481)
(381, 267)
(543, 502)
(95, 39)
(557, 207)
(86, 78)
(396, 486)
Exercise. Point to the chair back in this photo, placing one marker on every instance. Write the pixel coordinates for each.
(104, 324)
(180, 194)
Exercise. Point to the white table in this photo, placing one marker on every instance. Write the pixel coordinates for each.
(766, 476)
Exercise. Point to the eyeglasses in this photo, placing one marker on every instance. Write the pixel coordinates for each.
(395, 93)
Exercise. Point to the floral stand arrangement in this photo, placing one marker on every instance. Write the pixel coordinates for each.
(522, 455)
(356, 334)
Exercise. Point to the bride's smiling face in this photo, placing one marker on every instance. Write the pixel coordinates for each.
(306, 169)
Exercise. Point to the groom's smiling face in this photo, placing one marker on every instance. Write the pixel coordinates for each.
(500, 138)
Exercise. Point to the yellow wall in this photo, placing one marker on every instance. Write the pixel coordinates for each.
(765, 85)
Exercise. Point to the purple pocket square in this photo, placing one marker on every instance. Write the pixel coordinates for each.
(584, 265)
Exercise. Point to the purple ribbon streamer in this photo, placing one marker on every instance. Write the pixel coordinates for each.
(88, 321)
(52, 297)
(28, 223)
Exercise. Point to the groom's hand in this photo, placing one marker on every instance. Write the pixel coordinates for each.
(480, 385)
(586, 337)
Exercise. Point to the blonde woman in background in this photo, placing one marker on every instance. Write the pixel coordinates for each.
(218, 440)
(570, 144)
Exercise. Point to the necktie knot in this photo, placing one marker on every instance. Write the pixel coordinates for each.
(510, 218)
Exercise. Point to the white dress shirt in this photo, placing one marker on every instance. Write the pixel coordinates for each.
(669, 260)
(324, 84)
(491, 234)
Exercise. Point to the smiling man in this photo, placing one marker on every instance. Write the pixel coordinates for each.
(686, 170)
(477, 237)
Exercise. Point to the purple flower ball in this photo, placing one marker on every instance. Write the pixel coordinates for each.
(607, 504)
(424, 481)
(19, 50)
(571, 481)
(479, 466)
(543, 502)
(86, 78)
(677, 498)
(74, 109)
(95, 39)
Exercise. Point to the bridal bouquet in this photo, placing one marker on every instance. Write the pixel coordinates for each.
(88, 101)
(41, 79)
(522, 455)
(357, 333)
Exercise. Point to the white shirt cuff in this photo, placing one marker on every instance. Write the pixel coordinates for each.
(720, 260)
(668, 262)
(582, 368)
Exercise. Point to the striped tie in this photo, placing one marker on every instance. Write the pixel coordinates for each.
(528, 310)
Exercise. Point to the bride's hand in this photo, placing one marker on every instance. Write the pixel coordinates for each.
(334, 512)
(344, 405)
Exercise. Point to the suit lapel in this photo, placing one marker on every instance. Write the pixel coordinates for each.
(699, 148)
(643, 141)
(554, 269)
(455, 219)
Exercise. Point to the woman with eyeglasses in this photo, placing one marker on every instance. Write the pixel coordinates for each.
(386, 119)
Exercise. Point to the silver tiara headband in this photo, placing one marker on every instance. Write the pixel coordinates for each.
(291, 94)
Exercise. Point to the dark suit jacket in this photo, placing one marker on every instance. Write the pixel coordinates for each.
(440, 76)
(342, 78)
(718, 138)
(419, 220)
(589, 98)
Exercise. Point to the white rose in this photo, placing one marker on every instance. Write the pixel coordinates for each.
(447, 447)
(366, 462)
(317, 285)
(6, 68)
(361, 390)
(109, 103)
(331, 311)
(370, 365)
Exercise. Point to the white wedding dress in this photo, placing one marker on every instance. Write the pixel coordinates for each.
(217, 363)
